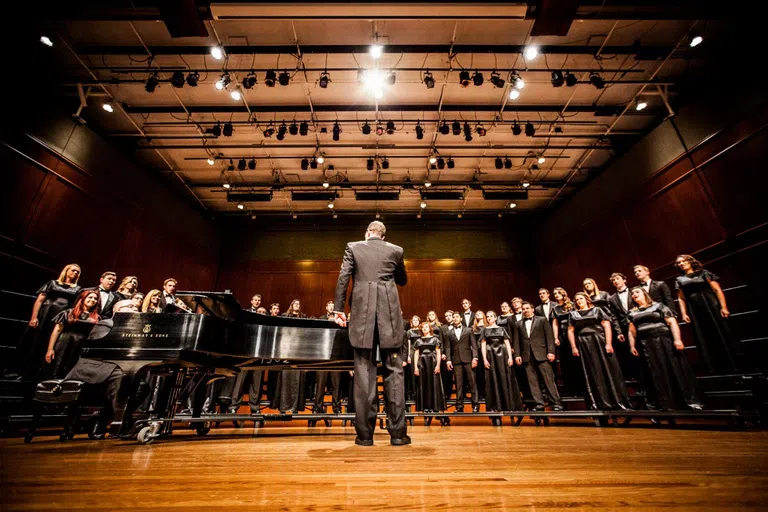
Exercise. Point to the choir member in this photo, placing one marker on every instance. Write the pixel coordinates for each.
(152, 302)
(462, 360)
(255, 303)
(546, 308)
(52, 298)
(655, 326)
(599, 299)
(534, 347)
(658, 290)
(169, 301)
(445, 375)
(517, 308)
(261, 310)
(289, 394)
(273, 375)
(478, 325)
(429, 393)
(501, 390)
(590, 337)
(702, 304)
(132, 305)
(332, 379)
(507, 319)
(107, 298)
(128, 286)
(71, 326)
(620, 304)
(467, 317)
(570, 367)
(411, 335)
(274, 309)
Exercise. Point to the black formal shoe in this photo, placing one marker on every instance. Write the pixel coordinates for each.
(446, 421)
(363, 442)
(99, 430)
(475, 408)
(557, 408)
(539, 408)
(460, 409)
(400, 441)
(696, 407)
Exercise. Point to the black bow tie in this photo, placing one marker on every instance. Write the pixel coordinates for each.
(625, 290)
(529, 319)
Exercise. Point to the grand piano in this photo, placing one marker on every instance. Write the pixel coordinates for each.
(212, 337)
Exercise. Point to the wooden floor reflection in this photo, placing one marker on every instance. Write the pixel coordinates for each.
(468, 467)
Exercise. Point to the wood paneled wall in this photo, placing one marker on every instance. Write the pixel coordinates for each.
(107, 217)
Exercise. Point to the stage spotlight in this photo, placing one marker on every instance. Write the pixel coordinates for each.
(432, 159)
(480, 130)
(330, 205)
(366, 129)
(541, 160)
(235, 95)
(513, 205)
(390, 127)
(304, 164)
(514, 94)
(108, 107)
(252, 164)
(423, 204)
(516, 80)
(270, 78)
(336, 131)
(326, 184)
(419, 131)
(281, 132)
(269, 132)
(530, 131)
(369, 164)
(324, 79)
(445, 129)
(640, 104)
(570, 79)
(284, 78)
(464, 78)
(379, 129)
(531, 52)
(211, 160)
(496, 80)
(429, 80)
(293, 129)
(320, 158)
(467, 132)
(507, 163)
(303, 129)
(456, 128)
(557, 78)
(193, 78)
(516, 130)
(477, 78)
(525, 183)
(223, 82)
(216, 130)
(535, 167)
(240, 206)
(46, 41)
(391, 78)
(695, 40)
(385, 164)
(440, 163)
(596, 80)
(373, 81)
(499, 163)
(241, 164)
(226, 185)
(228, 129)
(249, 81)
(450, 163)
(177, 79)
(376, 50)
(151, 84)
(217, 52)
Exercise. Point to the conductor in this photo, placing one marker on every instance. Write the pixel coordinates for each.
(376, 267)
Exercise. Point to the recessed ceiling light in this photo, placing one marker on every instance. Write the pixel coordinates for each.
(108, 107)
(47, 41)
(217, 52)
(531, 52)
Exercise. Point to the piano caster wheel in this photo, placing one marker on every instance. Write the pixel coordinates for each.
(203, 431)
(145, 435)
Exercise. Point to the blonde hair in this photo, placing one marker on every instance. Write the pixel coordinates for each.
(125, 281)
(586, 297)
(437, 320)
(474, 321)
(594, 283)
(567, 304)
(147, 304)
(63, 275)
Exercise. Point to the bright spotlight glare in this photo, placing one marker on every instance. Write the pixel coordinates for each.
(695, 41)
(108, 107)
(374, 81)
(320, 159)
(542, 159)
(641, 105)
(211, 161)
(217, 52)
(47, 41)
(235, 94)
(514, 94)
(219, 85)
(531, 52)
(376, 50)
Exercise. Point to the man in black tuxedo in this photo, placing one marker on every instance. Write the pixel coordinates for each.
(255, 303)
(107, 298)
(534, 346)
(620, 304)
(658, 290)
(517, 309)
(462, 359)
(546, 309)
(376, 268)
(467, 316)
(446, 376)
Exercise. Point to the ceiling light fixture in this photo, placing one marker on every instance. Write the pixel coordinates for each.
(570, 79)
(516, 130)
(516, 80)
(252, 164)
(249, 81)
(284, 78)
(324, 79)
(596, 80)
(217, 52)
(419, 131)
(531, 52)
(694, 40)
(228, 129)
(640, 104)
(177, 79)
(46, 41)
(464, 78)
(240, 206)
(303, 129)
(193, 78)
(108, 107)
(429, 80)
(151, 84)
(542, 160)
(211, 160)
(235, 95)
(530, 131)
(450, 163)
(496, 80)
(478, 78)
(557, 78)
(270, 78)
(376, 50)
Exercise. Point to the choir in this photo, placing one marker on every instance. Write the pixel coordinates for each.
(588, 345)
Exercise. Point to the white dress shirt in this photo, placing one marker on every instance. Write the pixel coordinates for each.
(624, 298)
(528, 323)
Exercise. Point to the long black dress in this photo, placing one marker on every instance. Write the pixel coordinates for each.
(670, 374)
(716, 347)
(407, 353)
(570, 367)
(501, 390)
(58, 297)
(67, 347)
(480, 372)
(289, 390)
(429, 387)
(601, 301)
(602, 374)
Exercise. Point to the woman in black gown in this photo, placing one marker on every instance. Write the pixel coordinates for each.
(71, 327)
(128, 287)
(52, 298)
(478, 324)
(426, 361)
(590, 336)
(599, 299)
(501, 390)
(411, 335)
(654, 325)
(289, 392)
(571, 373)
(702, 304)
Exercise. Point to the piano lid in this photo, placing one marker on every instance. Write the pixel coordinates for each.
(219, 304)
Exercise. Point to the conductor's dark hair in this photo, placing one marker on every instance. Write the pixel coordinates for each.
(377, 228)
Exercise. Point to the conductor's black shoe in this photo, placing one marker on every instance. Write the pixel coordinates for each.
(363, 442)
(557, 408)
(400, 441)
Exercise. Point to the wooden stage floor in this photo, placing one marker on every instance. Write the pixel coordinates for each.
(568, 465)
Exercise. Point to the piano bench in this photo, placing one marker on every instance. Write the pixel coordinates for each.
(56, 392)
